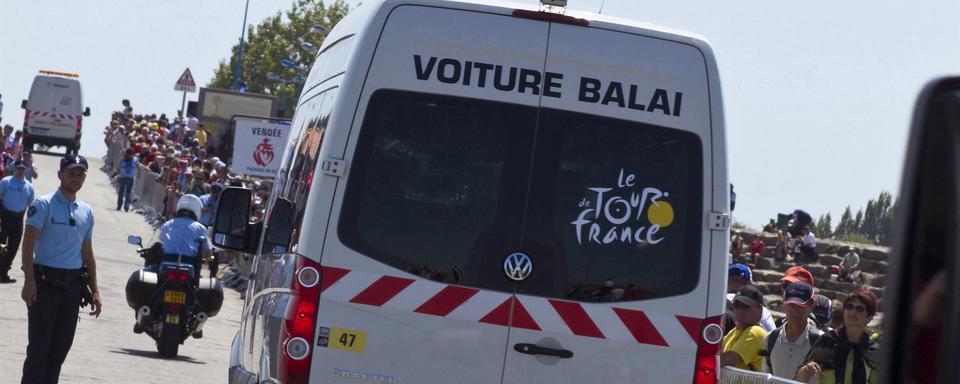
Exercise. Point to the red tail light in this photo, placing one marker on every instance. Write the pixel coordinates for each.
(300, 323)
(708, 349)
(176, 275)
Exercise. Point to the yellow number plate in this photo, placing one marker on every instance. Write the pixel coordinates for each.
(348, 339)
(174, 297)
(173, 319)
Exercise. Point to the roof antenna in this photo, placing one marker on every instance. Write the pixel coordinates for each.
(600, 12)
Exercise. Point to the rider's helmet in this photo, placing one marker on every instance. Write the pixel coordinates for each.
(190, 203)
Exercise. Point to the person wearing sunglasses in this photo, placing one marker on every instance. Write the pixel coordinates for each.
(848, 354)
(742, 345)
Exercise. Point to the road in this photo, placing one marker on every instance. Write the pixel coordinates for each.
(105, 348)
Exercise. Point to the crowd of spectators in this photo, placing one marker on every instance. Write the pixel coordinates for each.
(179, 154)
(818, 341)
(184, 158)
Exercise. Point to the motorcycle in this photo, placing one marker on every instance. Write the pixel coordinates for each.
(170, 299)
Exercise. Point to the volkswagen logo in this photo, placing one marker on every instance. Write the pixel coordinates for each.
(517, 266)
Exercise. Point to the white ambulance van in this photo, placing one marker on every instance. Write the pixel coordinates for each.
(491, 193)
(54, 112)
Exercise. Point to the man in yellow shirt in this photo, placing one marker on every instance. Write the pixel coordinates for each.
(201, 136)
(742, 345)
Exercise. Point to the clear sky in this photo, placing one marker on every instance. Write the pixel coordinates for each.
(817, 94)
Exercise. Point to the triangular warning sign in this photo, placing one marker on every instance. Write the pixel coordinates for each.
(186, 83)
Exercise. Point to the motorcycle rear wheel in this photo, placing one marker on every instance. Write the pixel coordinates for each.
(169, 342)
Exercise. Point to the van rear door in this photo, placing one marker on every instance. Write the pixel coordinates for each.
(54, 108)
(438, 156)
(615, 226)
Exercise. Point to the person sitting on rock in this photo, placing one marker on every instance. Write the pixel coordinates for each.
(798, 220)
(850, 266)
(757, 246)
(736, 247)
(807, 246)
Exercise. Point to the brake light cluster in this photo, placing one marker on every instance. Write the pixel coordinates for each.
(708, 349)
(176, 275)
(300, 322)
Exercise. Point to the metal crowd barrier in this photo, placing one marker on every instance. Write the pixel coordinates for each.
(730, 375)
(148, 190)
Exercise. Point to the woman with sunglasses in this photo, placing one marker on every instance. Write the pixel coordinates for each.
(847, 354)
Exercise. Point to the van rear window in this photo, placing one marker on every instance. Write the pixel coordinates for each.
(446, 188)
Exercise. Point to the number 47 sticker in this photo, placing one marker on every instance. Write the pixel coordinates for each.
(345, 339)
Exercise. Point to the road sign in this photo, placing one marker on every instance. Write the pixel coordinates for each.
(186, 83)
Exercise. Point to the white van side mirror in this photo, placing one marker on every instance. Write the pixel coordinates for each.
(23, 104)
(922, 297)
(86, 112)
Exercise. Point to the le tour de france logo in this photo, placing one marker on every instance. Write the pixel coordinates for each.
(263, 154)
(624, 213)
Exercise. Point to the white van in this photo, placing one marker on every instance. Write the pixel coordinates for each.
(487, 193)
(54, 111)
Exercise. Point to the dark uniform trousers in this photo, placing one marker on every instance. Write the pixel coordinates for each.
(11, 232)
(52, 321)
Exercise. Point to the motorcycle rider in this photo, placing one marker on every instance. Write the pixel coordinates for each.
(185, 236)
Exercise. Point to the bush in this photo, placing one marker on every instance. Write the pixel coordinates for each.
(855, 238)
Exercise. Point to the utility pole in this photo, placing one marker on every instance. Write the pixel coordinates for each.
(243, 31)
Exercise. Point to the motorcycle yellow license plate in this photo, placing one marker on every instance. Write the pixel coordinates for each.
(173, 319)
(174, 297)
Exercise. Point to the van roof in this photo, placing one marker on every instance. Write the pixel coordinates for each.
(359, 17)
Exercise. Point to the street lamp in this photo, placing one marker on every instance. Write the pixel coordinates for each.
(236, 70)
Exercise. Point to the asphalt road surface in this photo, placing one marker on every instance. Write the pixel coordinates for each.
(105, 349)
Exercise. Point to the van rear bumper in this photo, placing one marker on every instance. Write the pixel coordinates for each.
(52, 141)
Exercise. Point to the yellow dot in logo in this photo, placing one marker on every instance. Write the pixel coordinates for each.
(660, 213)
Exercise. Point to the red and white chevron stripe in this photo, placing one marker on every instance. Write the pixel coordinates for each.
(54, 115)
(596, 320)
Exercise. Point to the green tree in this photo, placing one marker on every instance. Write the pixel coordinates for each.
(871, 224)
(858, 222)
(845, 226)
(822, 228)
(275, 38)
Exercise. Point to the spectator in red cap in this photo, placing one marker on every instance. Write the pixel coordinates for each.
(795, 274)
(846, 355)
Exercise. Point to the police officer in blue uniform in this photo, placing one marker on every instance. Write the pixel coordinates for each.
(57, 244)
(183, 235)
(16, 194)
